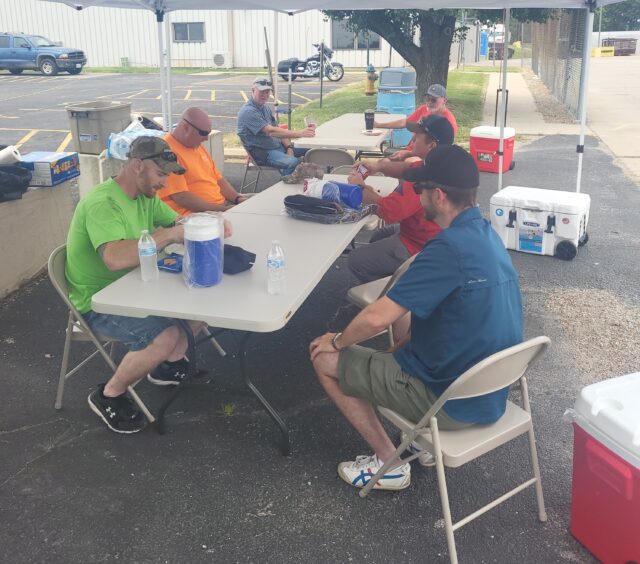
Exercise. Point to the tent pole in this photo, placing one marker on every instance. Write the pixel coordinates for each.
(167, 38)
(505, 60)
(275, 56)
(163, 78)
(584, 81)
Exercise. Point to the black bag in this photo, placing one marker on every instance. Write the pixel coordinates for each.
(308, 208)
(14, 181)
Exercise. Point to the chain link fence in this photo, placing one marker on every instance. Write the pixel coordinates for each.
(557, 49)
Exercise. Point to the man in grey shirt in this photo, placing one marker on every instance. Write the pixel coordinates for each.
(258, 130)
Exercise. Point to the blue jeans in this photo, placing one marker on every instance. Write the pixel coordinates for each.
(136, 333)
(286, 163)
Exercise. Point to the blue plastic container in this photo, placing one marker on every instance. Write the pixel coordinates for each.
(398, 102)
(350, 194)
(206, 262)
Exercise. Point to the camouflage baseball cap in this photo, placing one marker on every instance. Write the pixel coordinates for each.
(157, 150)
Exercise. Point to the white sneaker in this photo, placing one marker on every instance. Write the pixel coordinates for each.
(363, 468)
(425, 459)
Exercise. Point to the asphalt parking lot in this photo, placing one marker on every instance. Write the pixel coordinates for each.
(33, 115)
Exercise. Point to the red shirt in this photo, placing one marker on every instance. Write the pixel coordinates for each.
(423, 111)
(403, 206)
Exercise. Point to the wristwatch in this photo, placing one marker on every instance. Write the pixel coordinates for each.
(334, 341)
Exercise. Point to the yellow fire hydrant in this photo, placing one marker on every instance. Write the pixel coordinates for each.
(369, 85)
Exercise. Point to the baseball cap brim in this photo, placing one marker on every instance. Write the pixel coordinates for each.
(170, 167)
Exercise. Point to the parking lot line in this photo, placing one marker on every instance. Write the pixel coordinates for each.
(26, 138)
(187, 95)
(244, 96)
(213, 96)
(137, 93)
(301, 96)
(64, 143)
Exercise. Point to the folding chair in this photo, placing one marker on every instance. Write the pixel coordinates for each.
(455, 448)
(328, 158)
(78, 330)
(367, 293)
(342, 169)
(252, 165)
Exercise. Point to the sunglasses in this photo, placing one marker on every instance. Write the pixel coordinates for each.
(165, 155)
(201, 132)
(430, 98)
(263, 82)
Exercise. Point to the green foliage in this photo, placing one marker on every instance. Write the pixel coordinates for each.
(624, 16)
(539, 15)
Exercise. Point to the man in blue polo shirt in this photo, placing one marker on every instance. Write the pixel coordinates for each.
(260, 135)
(464, 302)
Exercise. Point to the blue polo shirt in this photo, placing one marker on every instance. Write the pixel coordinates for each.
(251, 119)
(463, 295)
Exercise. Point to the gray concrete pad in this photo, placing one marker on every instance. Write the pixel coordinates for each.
(216, 489)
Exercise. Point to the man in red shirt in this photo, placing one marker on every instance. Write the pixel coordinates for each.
(392, 245)
(435, 104)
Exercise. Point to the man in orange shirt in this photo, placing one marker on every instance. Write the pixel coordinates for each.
(202, 187)
(435, 100)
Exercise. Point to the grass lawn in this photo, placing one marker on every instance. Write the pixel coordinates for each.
(466, 92)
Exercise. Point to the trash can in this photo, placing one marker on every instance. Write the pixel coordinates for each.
(92, 122)
(605, 500)
(484, 143)
(396, 95)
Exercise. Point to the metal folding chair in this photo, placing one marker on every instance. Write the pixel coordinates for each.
(329, 158)
(251, 165)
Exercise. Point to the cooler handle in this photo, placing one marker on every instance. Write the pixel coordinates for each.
(551, 223)
(512, 217)
(609, 469)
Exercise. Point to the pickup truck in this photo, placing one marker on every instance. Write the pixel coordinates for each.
(19, 52)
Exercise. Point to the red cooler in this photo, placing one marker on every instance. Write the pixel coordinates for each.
(605, 502)
(484, 143)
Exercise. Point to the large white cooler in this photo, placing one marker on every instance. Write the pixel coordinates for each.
(605, 500)
(543, 222)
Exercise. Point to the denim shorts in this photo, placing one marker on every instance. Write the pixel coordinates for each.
(136, 333)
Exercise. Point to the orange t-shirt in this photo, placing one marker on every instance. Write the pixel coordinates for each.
(200, 179)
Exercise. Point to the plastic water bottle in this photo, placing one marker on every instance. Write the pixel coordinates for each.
(277, 281)
(148, 254)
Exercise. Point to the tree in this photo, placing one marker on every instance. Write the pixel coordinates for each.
(624, 16)
(434, 29)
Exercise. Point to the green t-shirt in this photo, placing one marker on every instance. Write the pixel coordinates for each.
(106, 214)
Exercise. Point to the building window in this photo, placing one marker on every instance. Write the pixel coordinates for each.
(188, 32)
(343, 38)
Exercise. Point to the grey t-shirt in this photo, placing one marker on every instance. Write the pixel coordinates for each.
(251, 119)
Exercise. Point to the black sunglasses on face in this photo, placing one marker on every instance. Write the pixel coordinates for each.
(202, 132)
(165, 155)
(430, 98)
(262, 82)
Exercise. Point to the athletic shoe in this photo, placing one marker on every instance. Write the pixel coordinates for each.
(363, 468)
(169, 373)
(425, 459)
(120, 413)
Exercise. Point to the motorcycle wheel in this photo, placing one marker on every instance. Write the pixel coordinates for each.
(285, 77)
(337, 72)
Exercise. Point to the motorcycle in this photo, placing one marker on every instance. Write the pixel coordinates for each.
(310, 68)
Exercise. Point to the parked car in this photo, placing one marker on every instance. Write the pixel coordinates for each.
(19, 52)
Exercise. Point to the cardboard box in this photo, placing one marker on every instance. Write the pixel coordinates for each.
(51, 169)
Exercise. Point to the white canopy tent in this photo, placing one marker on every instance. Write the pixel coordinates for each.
(161, 7)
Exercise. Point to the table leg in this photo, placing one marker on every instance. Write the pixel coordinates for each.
(286, 446)
(191, 355)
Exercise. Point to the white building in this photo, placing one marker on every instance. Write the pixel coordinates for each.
(199, 38)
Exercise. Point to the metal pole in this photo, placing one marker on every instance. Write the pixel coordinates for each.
(522, 45)
(167, 67)
(275, 55)
(163, 78)
(321, 68)
(505, 59)
(600, 26)
(584, 81)
(290, 108)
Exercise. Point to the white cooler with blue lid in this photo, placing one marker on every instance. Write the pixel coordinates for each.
(538, 221)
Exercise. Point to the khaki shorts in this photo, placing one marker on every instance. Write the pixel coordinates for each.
(376, 377)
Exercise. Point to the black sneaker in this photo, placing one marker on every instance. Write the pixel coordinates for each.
(120, 413)
(169, 373)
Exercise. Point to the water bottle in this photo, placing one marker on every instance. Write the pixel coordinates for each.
(148, 254)
(277, 281)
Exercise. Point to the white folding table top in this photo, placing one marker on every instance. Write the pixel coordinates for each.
(346, 132)
(239, 301)
(271, 200)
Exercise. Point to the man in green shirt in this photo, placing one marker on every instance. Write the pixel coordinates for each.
(102, 246)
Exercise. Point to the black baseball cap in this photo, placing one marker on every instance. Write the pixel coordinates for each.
(157, 150)
(436, 127)
(446, 165)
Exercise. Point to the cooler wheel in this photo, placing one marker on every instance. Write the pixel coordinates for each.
(512, 165)
(566, 250)
(583, 240)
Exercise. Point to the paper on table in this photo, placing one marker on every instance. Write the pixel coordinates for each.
(372, 131)
(9, 155)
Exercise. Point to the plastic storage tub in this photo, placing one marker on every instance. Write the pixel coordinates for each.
(91, 123)
(605, 501)
(397, 102)
(397, 78)
(484, 143)
(544, 222)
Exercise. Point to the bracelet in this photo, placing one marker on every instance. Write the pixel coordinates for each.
(334, 341)
(235, 200)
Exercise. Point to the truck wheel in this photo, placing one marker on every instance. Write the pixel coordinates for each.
(285, 77)
(74, 71)
(16, 71)
(566, 250)
(48, 67)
